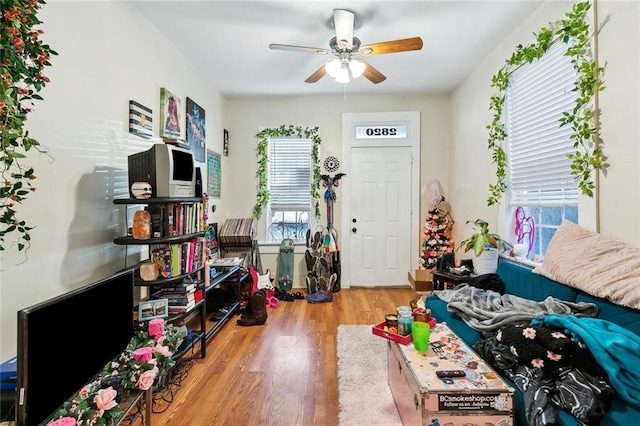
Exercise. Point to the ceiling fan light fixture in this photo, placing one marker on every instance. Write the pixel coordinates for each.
(343, 75)
(357, 68)
(333, 67)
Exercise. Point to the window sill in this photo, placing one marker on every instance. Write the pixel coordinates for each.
(521, 261)
(274, 248)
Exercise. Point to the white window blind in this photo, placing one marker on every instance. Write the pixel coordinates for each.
(539, 171)
(290, 174)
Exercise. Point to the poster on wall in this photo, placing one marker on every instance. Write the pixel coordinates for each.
(140, 120)
(214, 174)
(169, 114)
(195, 126)
(225, 142)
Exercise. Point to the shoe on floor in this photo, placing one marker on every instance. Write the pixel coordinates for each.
(312, 284)
(324, 263)
(320, 297)
(308, 259)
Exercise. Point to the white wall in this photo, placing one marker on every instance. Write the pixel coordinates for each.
(471, 170)
(248, 115)
(108, 54)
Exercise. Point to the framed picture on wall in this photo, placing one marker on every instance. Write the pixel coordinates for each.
(140, 120)
(214, 174)
(195, 126)
(225, 142)
(169, 114)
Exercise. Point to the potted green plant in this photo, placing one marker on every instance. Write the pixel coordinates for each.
(485, 246)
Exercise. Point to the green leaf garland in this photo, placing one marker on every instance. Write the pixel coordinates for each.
(585, 159)
(262, 196)
(24, 57)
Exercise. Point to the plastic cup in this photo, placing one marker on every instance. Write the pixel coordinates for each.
(420, 332)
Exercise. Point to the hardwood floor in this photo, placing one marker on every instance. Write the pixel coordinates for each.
(281, 373)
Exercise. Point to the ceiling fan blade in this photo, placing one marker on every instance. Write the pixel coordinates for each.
(320, 72)
(290, 48)
(393, 46)
(343, 21)
(372, 74)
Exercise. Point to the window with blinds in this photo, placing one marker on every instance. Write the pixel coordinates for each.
(289, 188)
(539, 176)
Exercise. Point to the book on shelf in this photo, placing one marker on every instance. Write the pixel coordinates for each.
(178, 259)
(180, 288)
(174, 294)
(161, 254)
(225, 262)
(244, 256)
(181, 309)
(198, 295)
(181, 301)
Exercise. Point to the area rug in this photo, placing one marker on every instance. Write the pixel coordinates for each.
(363, 391)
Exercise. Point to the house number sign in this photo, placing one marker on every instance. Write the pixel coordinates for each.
(381, 132)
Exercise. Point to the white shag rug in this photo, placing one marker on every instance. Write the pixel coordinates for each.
(363, 391)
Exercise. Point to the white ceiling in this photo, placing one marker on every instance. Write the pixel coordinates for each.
(228, 41)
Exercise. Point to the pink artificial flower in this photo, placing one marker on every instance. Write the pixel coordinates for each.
(146, 379)
(537, 363)
(83, 392)
(553, 356)
(162, 350)
(64, 421)
(529, 333)
(558, 335)
(156, 328)
(105, 399)
(143, 354)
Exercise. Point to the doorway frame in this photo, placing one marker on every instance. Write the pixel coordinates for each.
(349, 120)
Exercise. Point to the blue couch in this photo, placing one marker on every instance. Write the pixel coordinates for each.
(520, 281)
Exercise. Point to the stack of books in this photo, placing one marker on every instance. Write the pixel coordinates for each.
(182, 297)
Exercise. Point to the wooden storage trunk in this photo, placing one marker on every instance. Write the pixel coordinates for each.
(480, 398)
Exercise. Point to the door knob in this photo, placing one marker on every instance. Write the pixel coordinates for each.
(353, 229)
(354, 220)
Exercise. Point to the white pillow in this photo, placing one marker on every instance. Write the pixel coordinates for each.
(593, 263)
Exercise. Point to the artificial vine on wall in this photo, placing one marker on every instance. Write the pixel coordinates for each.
(23, 57)
(587, 156)
(262, 197)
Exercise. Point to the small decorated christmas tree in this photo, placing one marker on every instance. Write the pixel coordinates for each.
(436, 238)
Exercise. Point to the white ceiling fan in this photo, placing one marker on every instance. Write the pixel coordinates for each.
(348, 51)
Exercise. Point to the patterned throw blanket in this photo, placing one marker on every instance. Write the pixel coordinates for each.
(615, 348)
(487, 310)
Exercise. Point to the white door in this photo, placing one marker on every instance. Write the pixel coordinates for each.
(380, 199)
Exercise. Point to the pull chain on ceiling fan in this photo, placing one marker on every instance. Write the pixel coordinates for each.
(348, 52)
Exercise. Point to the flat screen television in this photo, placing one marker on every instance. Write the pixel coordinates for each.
(169, 169)
(65, 341)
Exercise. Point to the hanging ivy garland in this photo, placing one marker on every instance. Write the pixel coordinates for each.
(262, 197)
(24, 56)
(585, 159)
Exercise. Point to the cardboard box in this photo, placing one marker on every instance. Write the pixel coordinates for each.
(420, 280)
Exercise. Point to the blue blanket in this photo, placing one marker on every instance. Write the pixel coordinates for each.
(615, 348)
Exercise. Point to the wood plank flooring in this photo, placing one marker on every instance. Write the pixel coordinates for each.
(281, 373)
